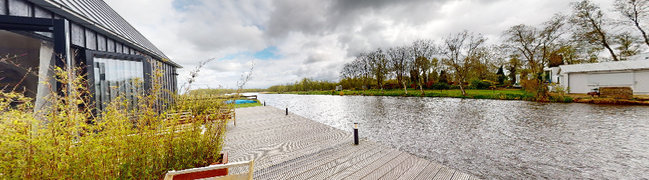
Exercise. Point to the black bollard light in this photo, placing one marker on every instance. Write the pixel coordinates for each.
(287, 111)
(356, 133)
(264, 103)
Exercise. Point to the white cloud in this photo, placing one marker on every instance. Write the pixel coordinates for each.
(313, 38)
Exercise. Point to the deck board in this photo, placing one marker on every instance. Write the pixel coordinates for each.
(311, 162)
(341, 165)
(359, 165)
(416, 168)
(445, 173)
(385, 168)
(460, 176)
(400, 169)
(430, 171)
(294, 147)
(331, 164)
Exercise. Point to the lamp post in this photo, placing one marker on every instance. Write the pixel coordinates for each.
(355, 133)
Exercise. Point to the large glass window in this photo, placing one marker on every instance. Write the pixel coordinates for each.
(117, 78)
(24, 66)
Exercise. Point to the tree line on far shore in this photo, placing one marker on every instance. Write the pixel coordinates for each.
(587, 34)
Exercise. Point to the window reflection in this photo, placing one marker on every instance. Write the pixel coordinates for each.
(117, 78)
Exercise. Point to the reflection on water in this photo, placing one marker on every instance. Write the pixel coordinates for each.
(493, 138)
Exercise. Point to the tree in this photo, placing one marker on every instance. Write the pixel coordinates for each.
(501, 75)
(422, 51)
(421, 64)
(363, 63)
(461, 51)
(513, 66)
(627, 46)
(434, 66)
(494, 57)
(379, 66)
(398, 58)
(536, 46)
(357, 73)
(590, 22)
(635, 11)
(443, 78)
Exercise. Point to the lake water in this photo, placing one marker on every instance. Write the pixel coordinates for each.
(494, 139)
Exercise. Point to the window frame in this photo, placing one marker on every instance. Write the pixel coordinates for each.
(89, 68)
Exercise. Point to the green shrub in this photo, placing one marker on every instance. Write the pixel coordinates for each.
(65, 141)
(441, 86)
(478, 84)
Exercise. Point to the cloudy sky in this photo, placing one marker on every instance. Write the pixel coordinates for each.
(291, 39)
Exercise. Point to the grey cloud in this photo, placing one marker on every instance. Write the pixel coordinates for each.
(322, 16)
(314, 37)
(303, 16)
(314, 58)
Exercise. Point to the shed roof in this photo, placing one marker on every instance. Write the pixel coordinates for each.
(605, 66)
(98, 14)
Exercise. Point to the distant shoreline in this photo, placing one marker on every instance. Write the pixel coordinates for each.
(501, 94)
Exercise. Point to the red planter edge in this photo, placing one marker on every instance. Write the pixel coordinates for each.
(206, 174)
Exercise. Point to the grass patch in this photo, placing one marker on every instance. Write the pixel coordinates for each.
(247, 105)
(503, 94)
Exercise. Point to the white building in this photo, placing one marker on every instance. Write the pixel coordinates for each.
(583, 78)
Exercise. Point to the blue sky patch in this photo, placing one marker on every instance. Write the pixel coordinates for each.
(266, 54)
(183, 5)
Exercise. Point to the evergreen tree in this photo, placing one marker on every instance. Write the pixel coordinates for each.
(443, 77)
(501, 75)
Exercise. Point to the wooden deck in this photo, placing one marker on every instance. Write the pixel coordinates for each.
(293, 147)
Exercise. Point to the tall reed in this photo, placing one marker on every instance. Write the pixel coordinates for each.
(127, 140)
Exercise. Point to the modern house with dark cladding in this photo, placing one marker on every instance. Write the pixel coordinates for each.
(39, 35)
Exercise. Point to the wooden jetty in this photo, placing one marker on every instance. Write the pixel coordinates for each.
(294, 147)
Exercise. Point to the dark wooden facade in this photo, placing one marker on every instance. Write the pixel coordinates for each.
(91, 35)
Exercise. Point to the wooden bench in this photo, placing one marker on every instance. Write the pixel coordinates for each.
(198, 173)
(185, 116)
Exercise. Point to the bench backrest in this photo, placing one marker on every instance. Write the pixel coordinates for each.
(170, 175)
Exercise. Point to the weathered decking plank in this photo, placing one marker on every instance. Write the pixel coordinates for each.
(385, 168)
(331, 164)
(415, 169)
(311, 162)
(364, 171)
(460, 176)
(326, 173)
(400, 169)
(365, 162)
(293, 147)
(430, 171)
(445, 173)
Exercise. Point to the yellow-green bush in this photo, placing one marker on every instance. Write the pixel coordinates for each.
(66, 141)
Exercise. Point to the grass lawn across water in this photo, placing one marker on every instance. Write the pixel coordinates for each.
(504, 94)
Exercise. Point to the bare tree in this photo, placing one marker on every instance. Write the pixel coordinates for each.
(379, 66)
(461, 50)
(421, 53)
(398, 58)
(359, 71)
(535, 45)
(627, 45)
(635, 11)
(590, 22)
(364, 65)
(512, 66)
